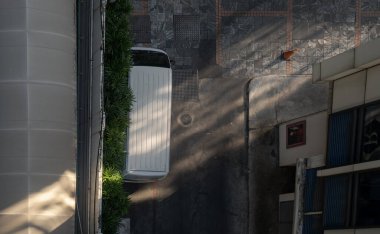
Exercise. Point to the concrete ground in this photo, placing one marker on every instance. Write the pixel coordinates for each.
(206, 190)
(224, 174)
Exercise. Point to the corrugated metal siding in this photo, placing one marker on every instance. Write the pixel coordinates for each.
(339, 141)
(336, 200)
(312, 224)
(313, 196)
(149, 133)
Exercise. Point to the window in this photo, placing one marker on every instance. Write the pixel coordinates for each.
(354, 136)
(337, 201)
(368, 199)
(353, 200)
(371, 134)
(340, 140)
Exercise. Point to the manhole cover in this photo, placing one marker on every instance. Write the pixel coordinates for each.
(185, 119)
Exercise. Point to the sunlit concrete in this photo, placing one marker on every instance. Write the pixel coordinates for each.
(50, 206)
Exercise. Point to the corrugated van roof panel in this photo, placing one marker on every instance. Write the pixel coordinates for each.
(149, 132)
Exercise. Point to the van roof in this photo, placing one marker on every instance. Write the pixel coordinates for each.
(148, 49)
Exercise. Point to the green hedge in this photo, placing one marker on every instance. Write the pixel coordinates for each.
(117, 103)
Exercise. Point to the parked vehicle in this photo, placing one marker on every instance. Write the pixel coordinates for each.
(148, 137)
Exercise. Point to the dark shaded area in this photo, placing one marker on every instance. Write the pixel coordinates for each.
(286, 217)
(185, 85)
(208, 176)
(368, 201)
(83, 196)
(371, 134)
(268, 181)
(140, 27)
(258, 5)
(336, 210)
(150, 58)
(288, 182)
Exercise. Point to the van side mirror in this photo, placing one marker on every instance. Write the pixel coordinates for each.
(172, 62)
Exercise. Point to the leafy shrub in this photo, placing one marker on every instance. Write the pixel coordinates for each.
(117, 103)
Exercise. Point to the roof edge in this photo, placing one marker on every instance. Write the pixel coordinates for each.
(348, 62)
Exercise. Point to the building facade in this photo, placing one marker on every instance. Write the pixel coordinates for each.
(337, 188)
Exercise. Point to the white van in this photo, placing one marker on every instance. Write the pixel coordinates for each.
(148, 137)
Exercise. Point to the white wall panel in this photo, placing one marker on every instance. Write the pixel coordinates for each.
(349, 91)
(12, 18)
(368, 231)
(50, 22)
(38, 117)
(316, 133)
(344, 231)
(373, 84)
(13, 63)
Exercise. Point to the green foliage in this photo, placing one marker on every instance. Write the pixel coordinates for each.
(117, 57)
(115, 200)
(114, 140)
(117, 102)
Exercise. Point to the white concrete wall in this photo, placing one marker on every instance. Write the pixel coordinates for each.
(343, 231)
(356, 89)
(38, 120)
(354, 231)
(316, 133)
(373, 84)
(349, 91)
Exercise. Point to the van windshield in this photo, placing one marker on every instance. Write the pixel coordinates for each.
(150, 58)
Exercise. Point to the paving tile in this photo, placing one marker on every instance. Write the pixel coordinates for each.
(185, 85)
(256, 5)
(370, 5)
(207, 57)
(253, 38)
(141, 28)
(138, 5)
(370, 28)
(186, 30)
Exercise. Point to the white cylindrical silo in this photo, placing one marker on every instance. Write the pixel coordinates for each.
(38, 115)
